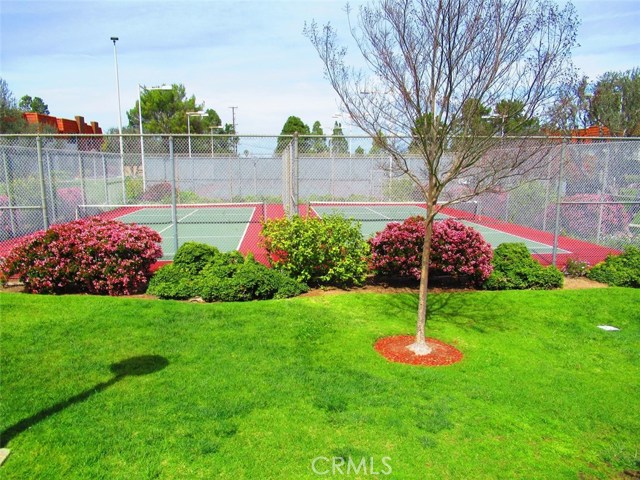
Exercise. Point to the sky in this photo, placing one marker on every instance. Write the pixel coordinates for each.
(248, 54)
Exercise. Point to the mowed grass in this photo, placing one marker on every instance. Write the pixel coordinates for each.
(261, 389)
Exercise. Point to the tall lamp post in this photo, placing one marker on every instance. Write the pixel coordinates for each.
(189, 115)
(115, 57)
(140, 88)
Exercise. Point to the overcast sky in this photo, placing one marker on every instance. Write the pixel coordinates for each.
(249, 54)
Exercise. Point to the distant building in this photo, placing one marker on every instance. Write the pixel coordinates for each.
(69, 127)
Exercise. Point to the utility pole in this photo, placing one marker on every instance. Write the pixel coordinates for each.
(233, 122)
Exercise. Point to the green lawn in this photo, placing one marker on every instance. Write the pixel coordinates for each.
(259, 390)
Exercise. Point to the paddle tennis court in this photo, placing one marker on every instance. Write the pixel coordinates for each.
(374, 217)
(224, 226)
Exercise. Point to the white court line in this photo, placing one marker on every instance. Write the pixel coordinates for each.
(377, 213)
(178, 221)
(246, 228)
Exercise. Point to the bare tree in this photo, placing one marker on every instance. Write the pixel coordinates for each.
(431, 66)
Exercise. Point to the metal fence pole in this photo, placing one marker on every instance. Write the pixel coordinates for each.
(556, 228)
(43, 191)
(9, 184)
(83, 185)
(603, 193)
(51, 194)
(104, 178)
(174, 206)
(124, 187)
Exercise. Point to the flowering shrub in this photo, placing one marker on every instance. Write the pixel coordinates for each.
(68, 201)
(159, 192)
(456, 250)
(329, 250)
(582, 219)
(91, 255)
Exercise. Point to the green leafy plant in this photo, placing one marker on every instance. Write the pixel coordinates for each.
(515, 269)
(576, 268)
(619, 270)
(201, 270)
(329, 250)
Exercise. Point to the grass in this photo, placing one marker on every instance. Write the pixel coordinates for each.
(260, 389)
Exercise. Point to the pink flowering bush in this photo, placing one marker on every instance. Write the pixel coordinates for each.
(456, 250)
(158, 192)
(581, 219)
(90, 255)
(68, 200)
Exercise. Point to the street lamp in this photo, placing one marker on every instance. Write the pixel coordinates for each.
(189, 115)
(140, 88)
(115, 57)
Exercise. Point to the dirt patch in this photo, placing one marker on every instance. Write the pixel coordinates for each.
(578, 283)
(395, 349)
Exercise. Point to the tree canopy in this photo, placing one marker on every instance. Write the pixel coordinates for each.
(36, 104)
(430, 67)
(616, 102)
(11, 120)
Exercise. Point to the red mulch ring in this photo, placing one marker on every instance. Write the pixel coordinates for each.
(395, 349)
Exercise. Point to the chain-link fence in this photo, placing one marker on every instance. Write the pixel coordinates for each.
(583, 200)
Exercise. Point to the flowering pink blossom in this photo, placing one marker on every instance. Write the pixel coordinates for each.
(456, 250)
(90, 255)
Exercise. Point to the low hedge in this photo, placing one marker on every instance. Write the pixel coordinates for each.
(619, 270)
(515, 269)
(203, 271)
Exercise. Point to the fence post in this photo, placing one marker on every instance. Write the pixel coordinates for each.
(556, 228)
(124, 187)
(295, 176)
(603, 192)
(104, 177)
(52, 197)
(174, 206)
(9, 185)
(43, 190)
(83, 185)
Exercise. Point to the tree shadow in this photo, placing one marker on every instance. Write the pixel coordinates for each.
(130, 367)
(456, 308)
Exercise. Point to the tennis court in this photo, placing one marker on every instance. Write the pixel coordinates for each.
(224, 226)
(374, 217)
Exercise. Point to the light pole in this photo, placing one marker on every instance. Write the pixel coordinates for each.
(140, 88)
(115, 57)
(189, 115)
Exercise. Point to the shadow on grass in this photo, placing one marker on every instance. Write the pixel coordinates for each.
(130, 367)
(462, 309)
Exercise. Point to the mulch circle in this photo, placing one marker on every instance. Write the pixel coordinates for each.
(395, 349)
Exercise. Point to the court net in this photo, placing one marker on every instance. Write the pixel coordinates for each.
(392, 211)
(211, 213)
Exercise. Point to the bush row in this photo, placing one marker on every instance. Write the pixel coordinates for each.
(200, 270)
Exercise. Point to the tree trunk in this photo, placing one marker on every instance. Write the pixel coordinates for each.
(420, 346)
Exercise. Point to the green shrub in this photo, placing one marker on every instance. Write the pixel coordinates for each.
(515, 269)
(171, 281)
(203, 271)
(250, 281)
(193, 256)
(619, 270)
(133, 188)
(330, 250)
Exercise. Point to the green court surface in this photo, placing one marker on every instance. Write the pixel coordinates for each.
(221, 227)
(374, 218)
